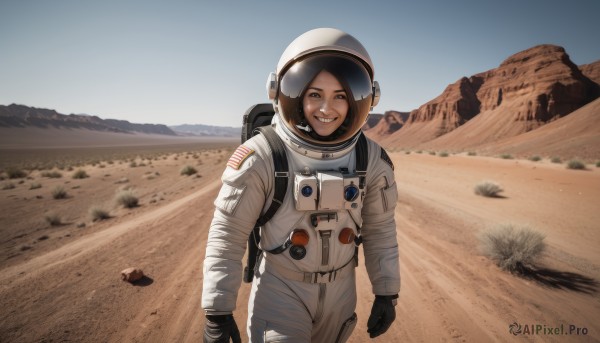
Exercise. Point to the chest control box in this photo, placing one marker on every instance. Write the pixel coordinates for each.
(327, 190)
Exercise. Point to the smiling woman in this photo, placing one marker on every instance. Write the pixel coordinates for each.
(325, 104)
(325, 82)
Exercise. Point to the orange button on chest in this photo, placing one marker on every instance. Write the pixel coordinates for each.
(346, 236)
(299, 237)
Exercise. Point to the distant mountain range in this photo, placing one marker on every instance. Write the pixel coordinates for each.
(23, 116)
(206, 130)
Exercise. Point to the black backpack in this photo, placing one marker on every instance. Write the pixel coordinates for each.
(257, 120)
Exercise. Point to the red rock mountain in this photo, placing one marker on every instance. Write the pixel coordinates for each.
(592, 71)
(526, 91)
(390, 122)
(576, 135)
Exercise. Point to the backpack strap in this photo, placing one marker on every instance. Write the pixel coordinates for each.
(362, 159)
(281, 172)
(281, 182)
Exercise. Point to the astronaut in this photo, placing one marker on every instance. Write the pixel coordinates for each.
(304, 288)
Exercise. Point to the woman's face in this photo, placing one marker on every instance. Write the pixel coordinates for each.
(325, 104)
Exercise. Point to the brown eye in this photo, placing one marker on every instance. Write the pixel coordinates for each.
(314, 95)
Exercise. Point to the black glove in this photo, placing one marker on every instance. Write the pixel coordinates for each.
(219, 329)
(382, 315)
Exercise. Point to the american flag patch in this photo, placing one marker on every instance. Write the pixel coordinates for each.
(239, 156)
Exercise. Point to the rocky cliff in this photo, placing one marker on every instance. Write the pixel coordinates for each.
(390, 122)
(527, 90)
(591, 71)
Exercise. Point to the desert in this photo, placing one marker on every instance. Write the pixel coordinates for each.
(62, 282)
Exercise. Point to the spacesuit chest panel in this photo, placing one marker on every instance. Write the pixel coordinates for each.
(322, 206)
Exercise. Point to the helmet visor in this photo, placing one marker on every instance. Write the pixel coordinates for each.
(354, 79)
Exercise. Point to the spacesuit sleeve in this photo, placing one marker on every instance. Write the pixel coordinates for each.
(237, 207)
(379, 226)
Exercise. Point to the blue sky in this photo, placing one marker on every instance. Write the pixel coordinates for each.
(206, 62)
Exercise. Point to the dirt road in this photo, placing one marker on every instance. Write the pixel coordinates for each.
(450, 292)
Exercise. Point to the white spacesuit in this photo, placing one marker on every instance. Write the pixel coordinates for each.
(304, 287)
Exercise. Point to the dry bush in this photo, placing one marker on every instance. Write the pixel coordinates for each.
(53, 219)
(52, 174)
(488, 189)
(99, 213)
(506, 156)
(471, 153)
(8, 185)
(35, 185)
(555, 160)
(188, 170)
(576, 164)
(127, 198)
(59, 192)
(535, 158)
(80, 174)
(15, 173)
(443, 154)
(513, 248)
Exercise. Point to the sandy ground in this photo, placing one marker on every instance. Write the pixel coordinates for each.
(63, 283)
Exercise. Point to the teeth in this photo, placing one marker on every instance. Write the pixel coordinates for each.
(325, 120)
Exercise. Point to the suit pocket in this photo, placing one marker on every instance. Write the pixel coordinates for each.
(229, 197)
(346, 329)
(389, 197)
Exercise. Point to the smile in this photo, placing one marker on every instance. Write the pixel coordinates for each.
(325, 120)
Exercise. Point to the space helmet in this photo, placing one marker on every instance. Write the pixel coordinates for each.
(343, 56)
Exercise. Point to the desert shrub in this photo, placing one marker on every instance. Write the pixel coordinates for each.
(506, 156)
(407, 152)
(188, 170)
(443, 154)
(99, 213)
(122, 180)
(488, 189)
(127, 198)
(35, 185)
(15, 173)
(471, 153)
(419, 151)
(52, 174)
(53, 219)
(80, 174)
(513, 248)
(133, 164)
(575, 164)
(598, 164)
(535, 158)
(555, 160)
(8, 185)
(59, 192)
(432, 153)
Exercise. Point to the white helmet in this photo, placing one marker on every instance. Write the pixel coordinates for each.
(345, 58)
